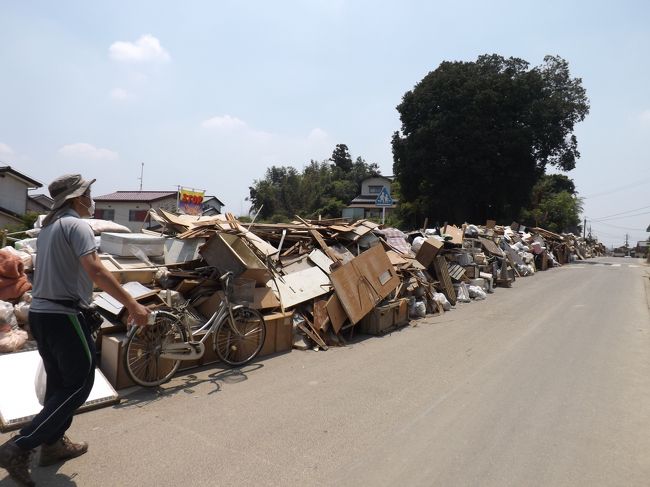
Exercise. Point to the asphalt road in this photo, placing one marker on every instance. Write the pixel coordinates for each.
(544, 384)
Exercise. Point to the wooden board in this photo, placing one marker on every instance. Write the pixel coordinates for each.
(336, 313)
(364, 281)
(440, 266)
(300, 286)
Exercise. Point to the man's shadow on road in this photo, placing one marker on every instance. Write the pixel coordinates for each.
(44, 476)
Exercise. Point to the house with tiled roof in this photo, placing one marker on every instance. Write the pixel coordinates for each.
(364, 206)
(130, 208)
(14, 187)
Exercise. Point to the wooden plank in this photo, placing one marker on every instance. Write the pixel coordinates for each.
(336, 312)
(440, 266)
(364, 281)
(311, 334)
(321, 319)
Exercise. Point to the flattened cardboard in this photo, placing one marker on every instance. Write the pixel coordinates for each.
(363, 282)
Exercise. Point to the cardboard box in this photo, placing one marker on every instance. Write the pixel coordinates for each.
(428, 250)
(269, 341)
(264, 298)
(228, 252)
(282, 324)
(402, 312)
(112, 359)
(111, 363)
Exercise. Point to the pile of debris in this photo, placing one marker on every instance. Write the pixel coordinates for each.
(317, 283)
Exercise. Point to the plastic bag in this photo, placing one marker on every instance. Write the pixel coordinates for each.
(462, 293)
(40, 381)
(418, 309)
(442, 299)
(21, 312)
(12, 340)
(7, 314)
(417, 243)
(476, 292)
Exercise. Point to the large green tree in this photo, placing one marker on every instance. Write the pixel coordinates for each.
(322, 188)
(554, 205)
(477, 136)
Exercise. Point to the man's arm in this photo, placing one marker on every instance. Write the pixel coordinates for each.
(107, 282)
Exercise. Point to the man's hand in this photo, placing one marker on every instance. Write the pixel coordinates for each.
(138, 314)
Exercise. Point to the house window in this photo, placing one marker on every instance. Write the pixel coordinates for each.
(104, 214)
(374, 189)
(137, 215)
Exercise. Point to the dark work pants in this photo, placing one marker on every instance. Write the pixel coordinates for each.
(68, 353)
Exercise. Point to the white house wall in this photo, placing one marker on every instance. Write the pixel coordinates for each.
(13, 194)
(365, 185)
(122, 209)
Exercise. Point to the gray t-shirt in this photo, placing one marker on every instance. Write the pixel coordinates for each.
(58, 273)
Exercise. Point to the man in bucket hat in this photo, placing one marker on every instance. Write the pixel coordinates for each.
(66, 267)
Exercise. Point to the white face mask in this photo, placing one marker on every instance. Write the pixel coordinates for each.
(91, 208)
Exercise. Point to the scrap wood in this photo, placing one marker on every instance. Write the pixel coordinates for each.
(336, 312)
(312, 334)
(440, 267)
(321, 318)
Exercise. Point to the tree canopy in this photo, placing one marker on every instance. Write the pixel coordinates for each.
(554, 205)
(323, 188)
(477, 136)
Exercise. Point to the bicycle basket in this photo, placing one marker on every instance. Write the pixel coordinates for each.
(243, 291)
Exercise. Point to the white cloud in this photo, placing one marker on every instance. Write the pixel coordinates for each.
(81, 150)
(5, 150)
(225, 122)
(147, 48)
(120, 94)
(317, 135)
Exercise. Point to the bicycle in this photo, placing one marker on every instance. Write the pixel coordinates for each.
(154, 352)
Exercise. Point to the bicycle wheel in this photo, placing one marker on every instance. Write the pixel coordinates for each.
(238, 341)
(144, 345)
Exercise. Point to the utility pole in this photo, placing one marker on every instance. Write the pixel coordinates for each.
(584, 228)
(626, 238)
(141, 174)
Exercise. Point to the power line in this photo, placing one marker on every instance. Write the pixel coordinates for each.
(621, 217)
(616, 226)
(621, 188)
(621, 213)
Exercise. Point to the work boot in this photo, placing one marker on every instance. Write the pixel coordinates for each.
(62, 450)
(16, 461)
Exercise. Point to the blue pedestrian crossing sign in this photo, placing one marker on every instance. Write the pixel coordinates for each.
(384, 199)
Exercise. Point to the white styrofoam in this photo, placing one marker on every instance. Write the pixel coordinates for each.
(120, 244)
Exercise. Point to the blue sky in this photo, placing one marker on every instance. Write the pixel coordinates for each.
(209, 94)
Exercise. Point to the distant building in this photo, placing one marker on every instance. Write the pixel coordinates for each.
(130, 208)
(212, 205)
(13, 195)
(39, 203)
(364, 205)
